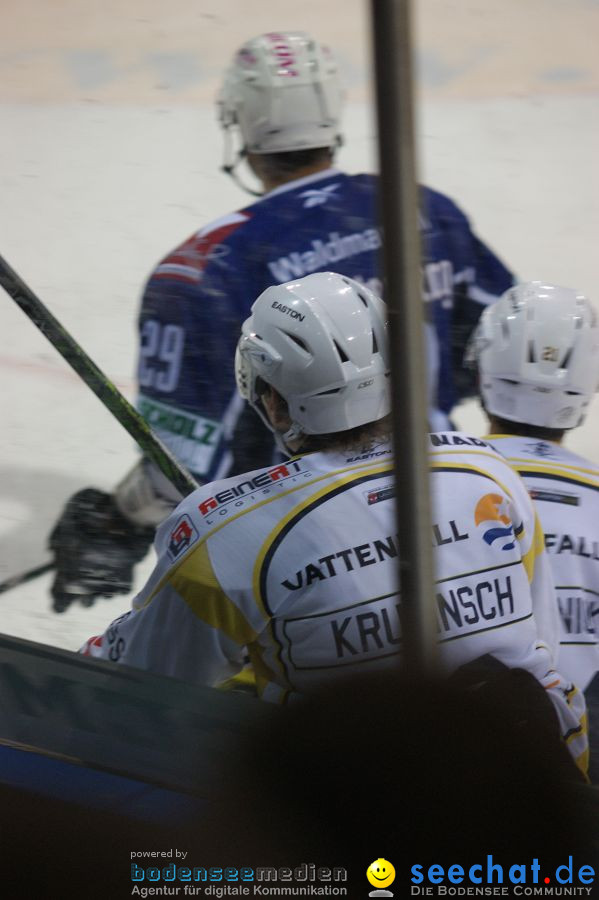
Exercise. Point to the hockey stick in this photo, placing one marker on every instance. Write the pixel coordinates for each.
(95, 379)
(24, 577)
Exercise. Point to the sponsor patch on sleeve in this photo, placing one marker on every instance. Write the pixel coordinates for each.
(183, 535)
(555, 497)
(378, 494)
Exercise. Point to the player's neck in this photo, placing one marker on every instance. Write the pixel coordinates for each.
(515, 429)
(271, 182)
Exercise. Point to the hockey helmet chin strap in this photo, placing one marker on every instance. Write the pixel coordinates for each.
(292, 434)
(231, 163)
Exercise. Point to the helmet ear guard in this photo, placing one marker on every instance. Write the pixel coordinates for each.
(537, 351)
(255, 363)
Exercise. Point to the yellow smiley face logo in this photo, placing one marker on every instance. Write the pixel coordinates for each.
(380, 873)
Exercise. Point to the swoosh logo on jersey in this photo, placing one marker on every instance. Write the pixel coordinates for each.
(491, 508)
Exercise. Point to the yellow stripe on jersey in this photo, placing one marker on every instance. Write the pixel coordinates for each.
(468, 467)
(264, 674)
(582, 760)
(243, 682)
(532, 462)
(243, 512)
(195, 581)
(294, 513)
(576, 735)
(536, 548)
(555, 465)
(545, 465)
(356, 475)
(463, 451)
(571, 476)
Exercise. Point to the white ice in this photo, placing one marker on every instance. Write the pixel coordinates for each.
(109, 156)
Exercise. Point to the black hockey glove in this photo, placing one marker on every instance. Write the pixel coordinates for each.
(95, 548)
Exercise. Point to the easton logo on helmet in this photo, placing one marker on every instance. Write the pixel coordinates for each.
(288, 311)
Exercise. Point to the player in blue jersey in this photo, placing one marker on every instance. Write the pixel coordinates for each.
(280, 103)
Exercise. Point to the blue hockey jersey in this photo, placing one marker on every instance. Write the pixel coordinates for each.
(198, 296)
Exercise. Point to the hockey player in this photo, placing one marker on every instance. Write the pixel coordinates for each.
(281, 102)
(537, 351)
(297, 561)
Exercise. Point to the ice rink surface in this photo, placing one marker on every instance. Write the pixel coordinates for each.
(109, 156)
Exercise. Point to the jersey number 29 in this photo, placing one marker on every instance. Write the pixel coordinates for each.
(160, 355)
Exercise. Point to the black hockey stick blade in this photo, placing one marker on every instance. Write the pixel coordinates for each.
(16, 580)
(95, 379)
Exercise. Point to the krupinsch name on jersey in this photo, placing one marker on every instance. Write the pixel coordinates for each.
(261, 482)
(466, 608)
(351, 559)
(375, 632)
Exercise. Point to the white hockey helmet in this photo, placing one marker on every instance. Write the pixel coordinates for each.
(321, 342)
(282, 92)
(537, 351)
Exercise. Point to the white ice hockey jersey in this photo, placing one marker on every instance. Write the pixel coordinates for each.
(298, 563)
(565, 488)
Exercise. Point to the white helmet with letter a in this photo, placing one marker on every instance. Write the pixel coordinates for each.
(321, 343)
(282, 92)
(537, 350)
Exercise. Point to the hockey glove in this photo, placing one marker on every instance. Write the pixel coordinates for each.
(95, 548)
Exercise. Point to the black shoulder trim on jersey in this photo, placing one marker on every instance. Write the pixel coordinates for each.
(340, 609)
(536, 473)
(339, 489)
(465, 471)
(351, 662)
(571, 733)
(579, 644)
(577, 587)
(280, 659)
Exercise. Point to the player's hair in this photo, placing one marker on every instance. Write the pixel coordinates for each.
(356, 440)
(282, 165)
(521, 429)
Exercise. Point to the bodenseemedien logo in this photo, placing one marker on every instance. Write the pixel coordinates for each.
(380, 874)
(218, 882)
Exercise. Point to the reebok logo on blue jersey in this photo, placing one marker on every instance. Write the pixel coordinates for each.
(317, 196)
